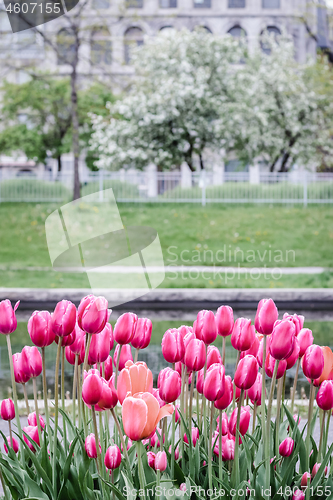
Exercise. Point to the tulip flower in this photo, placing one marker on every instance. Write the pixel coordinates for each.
(243, 335)
(315, 469)
(304, 480)
(32, 420)
(187, 339)
(214, 387)
(108, 398)
(205, 328)
(142, 334)
(223, 402)
(297, 319)
(173, 348)
(305, 339)
(76, 345)
(100, 346)
(31, 360)
(134, 378)
(32, 432)
(93, 314)
(92, 388)
(156, 394)
(13, 445)
(228, 448)
(325, 395)
(225, 425)
(282, 340)
(286, 447)
(125, 327)
(224, 321)
(253, 349)
(112, 458)
(195, 355)
(244, 421)
(246, 372)
(8, 321)
(254, 392)
(270, 365)
(128, 445)
(68, 340)
(184, 330)
(90, 446)
(108, 368)
(151, 459)
(161, 461)
(213, 356)
(328, 366)
(7, 409)
(266, 316)
(63, 318)
(40, 328)
(291, 360)
(169, 385)
(125, 356)
(70, 356)
(141, 414)
(298, 495)
(260, 353)
(194, 436)
(21, 376)
(313, 362)
(200, 381)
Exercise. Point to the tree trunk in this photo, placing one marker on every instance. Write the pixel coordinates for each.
(284, 162)
(59, 164)
(202, 166)
(75, 134)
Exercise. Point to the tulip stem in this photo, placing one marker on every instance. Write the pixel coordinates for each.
(311, 398)
(268, 428)
(210, 459)
(120, 432)
(4, 487)
(117, 367)
(326, 432)
(26, 399)
(85, 363)
(254, 417)
(63, 393)
(223, 349)
(263, 395)
(34, 384)
(46, 405)
(191, 399)
(278, 411)
(322, 425)
(181, 420)
(234, 387)
(158, 479)
(74, 388)
(18, 423)
(236, 456)
(204, 401)
(10, 433)
(98, 452)
(136, 355)
(140, 469)
(173, 442)
(295, 385)
(55, 436)
(220, 444)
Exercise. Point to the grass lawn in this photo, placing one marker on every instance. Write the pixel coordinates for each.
(225, 235)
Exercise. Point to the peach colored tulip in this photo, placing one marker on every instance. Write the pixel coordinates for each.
(134, 378)
(328, 366)
(141, 414)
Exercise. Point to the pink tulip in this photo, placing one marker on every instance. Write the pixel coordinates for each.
(195, 355)
(21, 376)
(223, 402)
(228, 448)
(213, 355)
(15, 445)
(298, 495)
(64, 318)
(270, 365)
(286, 447)
(305, 339)
(297, 319)
(200, 381)
(173, 347)
(316, 469)
(112, 458)
(266, 316)
(125, 328)
(8, 321)
(253, 349)
(304, 480)
(76, 345)
(108, 368)
(282, 340)
(134, 378)
(244, 421)
(205, 328)
(151, 459)
(161, 461)
(109, 398)
(261, 349)
(142, 334)
(254, 393)
(243, 335)
(125, 355)
(32, 420)
(7, 409)
(68, 340)
(32, 432)
(194, 436)
(90, 446)
(325, 395)
(291, 360)
(128, 444)
(225, 425)
(31, 360)
(100, 346)
(40, 328)
(313, 362)
(224, 321)
(187, 339)
(93, 314)
(214, 384)
(92, 388)
(70, 356)
(154, 441)
(182, 487)
(246, 372)
(169, 385)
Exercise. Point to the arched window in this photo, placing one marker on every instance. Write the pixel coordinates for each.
(133, 37)
(100, 47)
(167, 30)
(272, 30)
(203, 29)
(66, 46)
(237, 32)
(168, 4)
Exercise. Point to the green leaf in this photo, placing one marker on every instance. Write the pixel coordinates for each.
(321, 469)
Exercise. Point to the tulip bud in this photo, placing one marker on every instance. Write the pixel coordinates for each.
(76, 345)
(213, 356)
(125, 355)
(291, 360)
(169, 385)
(21, 376)
(223, 402)
(40, 328)
(8, 321)
(90, 446)
(7, 409)
(305, 339)
(32, 432)
(64, 318)
(92, 388)
(125, 327)
(13, 445)
(214, 387)
(200, 381)
(266, 316)
(286, 447)
(31, 360)
(316, 469)
(161, 461)
(270, 365)
(246, 372)
(32, 420)
(194, 436)
(151, 459)
(108, 368)
(109, 398)
(93, 314)
(182, 487)
(100, 346)
(70, 356)
(325, 395)
(282, 340)
(254, 392)
(298, 495)
(142, 334)
(112, 458)
(224, 321)
(173, 347)
(243, 335)
(228, 448)
(304, 480)
(195, 355)
(244, 421)
(205, 328)
(313, 362)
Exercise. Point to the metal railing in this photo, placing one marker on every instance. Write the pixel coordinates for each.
(164, 187)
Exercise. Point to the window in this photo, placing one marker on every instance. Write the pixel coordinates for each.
(101, 4)
(168, 4)
(66, 46)
(100, 47)
(133, 37)
(236, 4)
(273, 31)
(202, 4)
(134, 4)
(270, 4)
(237, 32)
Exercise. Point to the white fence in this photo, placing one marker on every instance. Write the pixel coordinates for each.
(163, 187)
